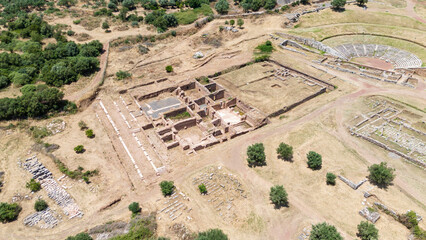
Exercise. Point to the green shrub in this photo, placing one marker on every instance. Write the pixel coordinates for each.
(212, 234)
(232, 22)
(78, 21)
(261, 58)
(285, 151)
(265, 47)
(167, 187)
(202, 188)
(40, 205)
(169, 68)
(9, 212)
(134, 207)
(105, 25)
(89, 133)
(80, 236)
(82, 125)
(173, 32)
(79, 149)
(285, 8)
(314, 160)
(122, 75)
(278, 196)
(256, 155)
(33, 185)
(331, 179)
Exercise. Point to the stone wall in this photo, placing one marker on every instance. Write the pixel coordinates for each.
(288, 108)
(410, 159)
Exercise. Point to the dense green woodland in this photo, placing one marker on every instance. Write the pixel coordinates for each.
(26, 60)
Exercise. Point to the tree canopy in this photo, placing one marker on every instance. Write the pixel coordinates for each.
(367, 231)
(222, 6)
(167, 187)
(36, 101)
(381, 174)
(285, 151)
(134, 207)
(338, 4)
(9, 212)
(80, 236)
(323, 231)
(256, 155)
(278, 196)
(40, 205)
(314, 160)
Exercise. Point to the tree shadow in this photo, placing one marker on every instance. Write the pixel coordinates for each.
(341, 9)
(286, 159)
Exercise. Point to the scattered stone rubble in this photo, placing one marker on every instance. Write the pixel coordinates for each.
(56, 126)
(370, 216)
(47, 216)
(175, 206)
(223, 190)
(54, 190)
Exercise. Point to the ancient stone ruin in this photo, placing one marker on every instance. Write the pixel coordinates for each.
(371, 216)
(50, 185)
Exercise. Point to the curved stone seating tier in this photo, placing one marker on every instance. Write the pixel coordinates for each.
(399, 58)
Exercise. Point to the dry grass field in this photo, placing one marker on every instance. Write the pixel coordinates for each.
(238, 195)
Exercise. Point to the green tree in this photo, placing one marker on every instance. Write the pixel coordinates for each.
(167, 187)
(381, 174)
(232, 22)
(79, 149)
(285, 151)
(331, 179)
(323, 231)
(33, 185)
(270, 4)
(169, 68)
(362, 2)
(9, 212)
(367, 231)
(105, 25)
(40, 205)
(212, 234)
(222, 6)
(202, 188)
(256, 155)
(134, 207)
(278, 196)
(89, 133)
(240, 22)
(257, 4)
(314, 160)
(80, 236)
(130, 4)
(194, 3)
(338, 4)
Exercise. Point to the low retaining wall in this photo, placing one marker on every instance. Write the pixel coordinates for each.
(410, 159)
(288, 108)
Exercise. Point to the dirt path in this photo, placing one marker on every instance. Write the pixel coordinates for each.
(411, 12)
(96, 80)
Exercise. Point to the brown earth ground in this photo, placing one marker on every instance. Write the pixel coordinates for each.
(318, 125)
